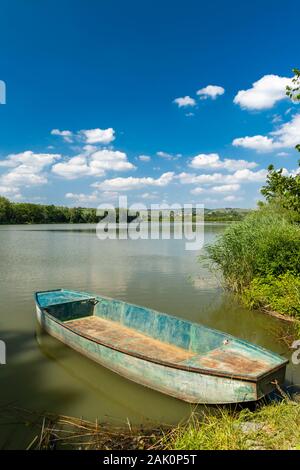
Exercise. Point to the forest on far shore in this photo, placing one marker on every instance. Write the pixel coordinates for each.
(28, 213)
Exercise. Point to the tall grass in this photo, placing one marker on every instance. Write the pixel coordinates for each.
(213, 432)
(275, 426)
(264, 243)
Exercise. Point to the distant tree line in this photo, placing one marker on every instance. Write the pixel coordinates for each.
(225, 215)
(28, 213)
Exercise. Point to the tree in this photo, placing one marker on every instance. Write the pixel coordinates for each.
(294, 91)
(5, 210)
(76, 215)
(282, 189)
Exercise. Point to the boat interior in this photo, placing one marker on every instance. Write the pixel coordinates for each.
(159, 337)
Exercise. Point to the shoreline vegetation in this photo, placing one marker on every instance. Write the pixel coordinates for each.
(270, 426)
(13, 213)
(259, 257)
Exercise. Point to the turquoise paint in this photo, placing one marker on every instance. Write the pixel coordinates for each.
(59, 296)
(188, 385)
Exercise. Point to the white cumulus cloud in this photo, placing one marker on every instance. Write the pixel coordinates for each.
(220, 189)
(93, 163)
(66, 135)
(197, 191)
(151, 195)
(168, 156)
(82, 198)
(213, 161)
(226, 188)
(89, 136)
(75, 167)
(240, 176)
(144, 158)
(98, 136)
(130, 183)
(185, 101)
(286, 136)
(210, 91)
(93, 198)
(11, 192)
(264, 94)
(232, 198)
(25, 169)
(282, 154)
(261, 143)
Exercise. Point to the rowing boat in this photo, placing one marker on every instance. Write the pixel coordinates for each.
(177, 357)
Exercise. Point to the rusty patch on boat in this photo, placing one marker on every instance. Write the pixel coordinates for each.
(232, 361)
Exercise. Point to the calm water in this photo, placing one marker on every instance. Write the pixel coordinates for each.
(43, 374)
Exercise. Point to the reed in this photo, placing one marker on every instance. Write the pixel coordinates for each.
(270, 426)
(264, 244)
(57, 432)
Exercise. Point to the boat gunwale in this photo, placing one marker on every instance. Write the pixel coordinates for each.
(213, 372)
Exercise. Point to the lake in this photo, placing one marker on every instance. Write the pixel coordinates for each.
(43, 374)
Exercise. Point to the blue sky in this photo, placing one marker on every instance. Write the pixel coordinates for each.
(91, 86)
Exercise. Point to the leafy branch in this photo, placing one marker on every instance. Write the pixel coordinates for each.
(293, 91)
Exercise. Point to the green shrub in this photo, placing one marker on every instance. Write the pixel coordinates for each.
(264, 243)
(280, 294)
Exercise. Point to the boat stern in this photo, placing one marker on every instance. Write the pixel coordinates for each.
(271, 382)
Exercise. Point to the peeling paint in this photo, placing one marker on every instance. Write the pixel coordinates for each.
(180, 358)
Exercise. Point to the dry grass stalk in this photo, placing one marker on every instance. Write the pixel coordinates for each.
(65, 432)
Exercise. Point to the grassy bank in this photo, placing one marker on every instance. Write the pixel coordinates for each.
(260, 260)
(259, 257)
(272, 426)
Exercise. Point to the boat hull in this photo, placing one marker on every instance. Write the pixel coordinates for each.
(192, 387)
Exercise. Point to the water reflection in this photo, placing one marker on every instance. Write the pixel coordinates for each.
(43, 374)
